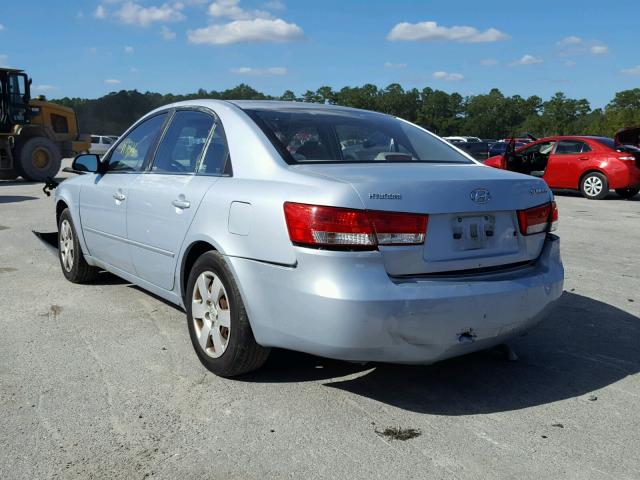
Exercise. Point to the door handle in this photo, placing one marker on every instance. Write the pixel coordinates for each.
(181, 204)
(583, 158)
(119, 196)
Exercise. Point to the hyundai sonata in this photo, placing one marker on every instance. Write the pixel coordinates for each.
(251, 216)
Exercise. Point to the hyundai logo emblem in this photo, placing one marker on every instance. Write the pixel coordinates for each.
(480, 195)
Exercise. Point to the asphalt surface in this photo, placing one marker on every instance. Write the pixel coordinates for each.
(100, 380)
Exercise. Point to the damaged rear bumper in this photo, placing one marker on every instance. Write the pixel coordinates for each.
(350, 309)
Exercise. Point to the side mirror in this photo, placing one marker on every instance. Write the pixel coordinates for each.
(86, 163)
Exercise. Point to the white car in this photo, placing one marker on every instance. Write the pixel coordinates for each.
(253, 217)
(462, 139)
(100, 144)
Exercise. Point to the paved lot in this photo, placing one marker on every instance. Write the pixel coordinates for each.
(100, 381)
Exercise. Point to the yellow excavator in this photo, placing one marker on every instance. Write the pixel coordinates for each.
(35, 135)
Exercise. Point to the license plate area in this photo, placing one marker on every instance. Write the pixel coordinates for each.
(472, 232)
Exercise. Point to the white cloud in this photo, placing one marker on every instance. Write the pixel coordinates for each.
(527, 60)
(256, 30)
(4, 59)
(259, 72)
(112, 81)
(431, 31)
(167, 33)
(573, 45)
(625, 71)
(568, 41)
(132, 13)
(447, 77)
(489, 62)
(231, 9)
(44, 88)
(129, 49)
(275, 5)
(100, 12)
(599, 50)
(395, 66)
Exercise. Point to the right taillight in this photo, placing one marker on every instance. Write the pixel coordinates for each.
(543, 218)
(340, 228)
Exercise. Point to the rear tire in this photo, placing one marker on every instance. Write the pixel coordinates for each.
(594, 186)
(38, 159)
(218, 323)
(628, 192)
(74, 267)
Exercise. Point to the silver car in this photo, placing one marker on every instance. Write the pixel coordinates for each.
(250, 216)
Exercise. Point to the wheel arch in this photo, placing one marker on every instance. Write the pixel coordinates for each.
(60, 206)
(191, 254)
(588, 171)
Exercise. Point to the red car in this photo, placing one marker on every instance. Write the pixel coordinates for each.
(592, 165)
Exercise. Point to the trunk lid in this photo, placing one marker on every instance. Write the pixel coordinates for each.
(472, 212)
(628, 136)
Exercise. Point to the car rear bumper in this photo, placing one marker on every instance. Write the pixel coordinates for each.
(345, 306)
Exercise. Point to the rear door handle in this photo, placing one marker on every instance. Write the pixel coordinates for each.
(119, 196)
(583, 158)
(181, 204)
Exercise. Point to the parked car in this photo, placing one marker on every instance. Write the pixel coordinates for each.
(410, 255)
(456, 139)
(478, 150)
(101, 143)
(517, 139)
(592, 165)
(499, 148)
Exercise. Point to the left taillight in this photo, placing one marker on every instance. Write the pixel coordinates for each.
(334, 227)
(543, 218)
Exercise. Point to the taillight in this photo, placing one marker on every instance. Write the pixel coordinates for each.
(628, 158)
(322, 226)
(538, 219)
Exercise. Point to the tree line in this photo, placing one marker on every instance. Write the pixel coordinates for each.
(490, 115)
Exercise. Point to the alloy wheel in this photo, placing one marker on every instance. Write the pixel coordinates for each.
(593, 186)
(211, 314)
(66, 245)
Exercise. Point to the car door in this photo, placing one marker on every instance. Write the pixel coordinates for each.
(103, 203)
(164, 200)
(565, 163)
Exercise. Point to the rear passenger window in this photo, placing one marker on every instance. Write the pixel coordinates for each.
(566, 147)
(181, 148)
(216, 159)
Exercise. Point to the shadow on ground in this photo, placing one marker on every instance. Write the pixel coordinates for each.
(612, 195)
(583, 346)
(15, 198)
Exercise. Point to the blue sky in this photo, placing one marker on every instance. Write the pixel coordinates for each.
(89, 48)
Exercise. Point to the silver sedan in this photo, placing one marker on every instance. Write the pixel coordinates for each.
(339, 232)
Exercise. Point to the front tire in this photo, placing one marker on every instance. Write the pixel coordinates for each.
(594, 186)
(38, 159)
(218, 323)
(74, 267)
(628, 192)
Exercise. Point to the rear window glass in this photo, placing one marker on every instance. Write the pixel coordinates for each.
(346, 136)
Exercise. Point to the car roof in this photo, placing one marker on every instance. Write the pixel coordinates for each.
(285, 105)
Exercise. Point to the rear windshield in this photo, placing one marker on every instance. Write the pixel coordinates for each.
(346, 136)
